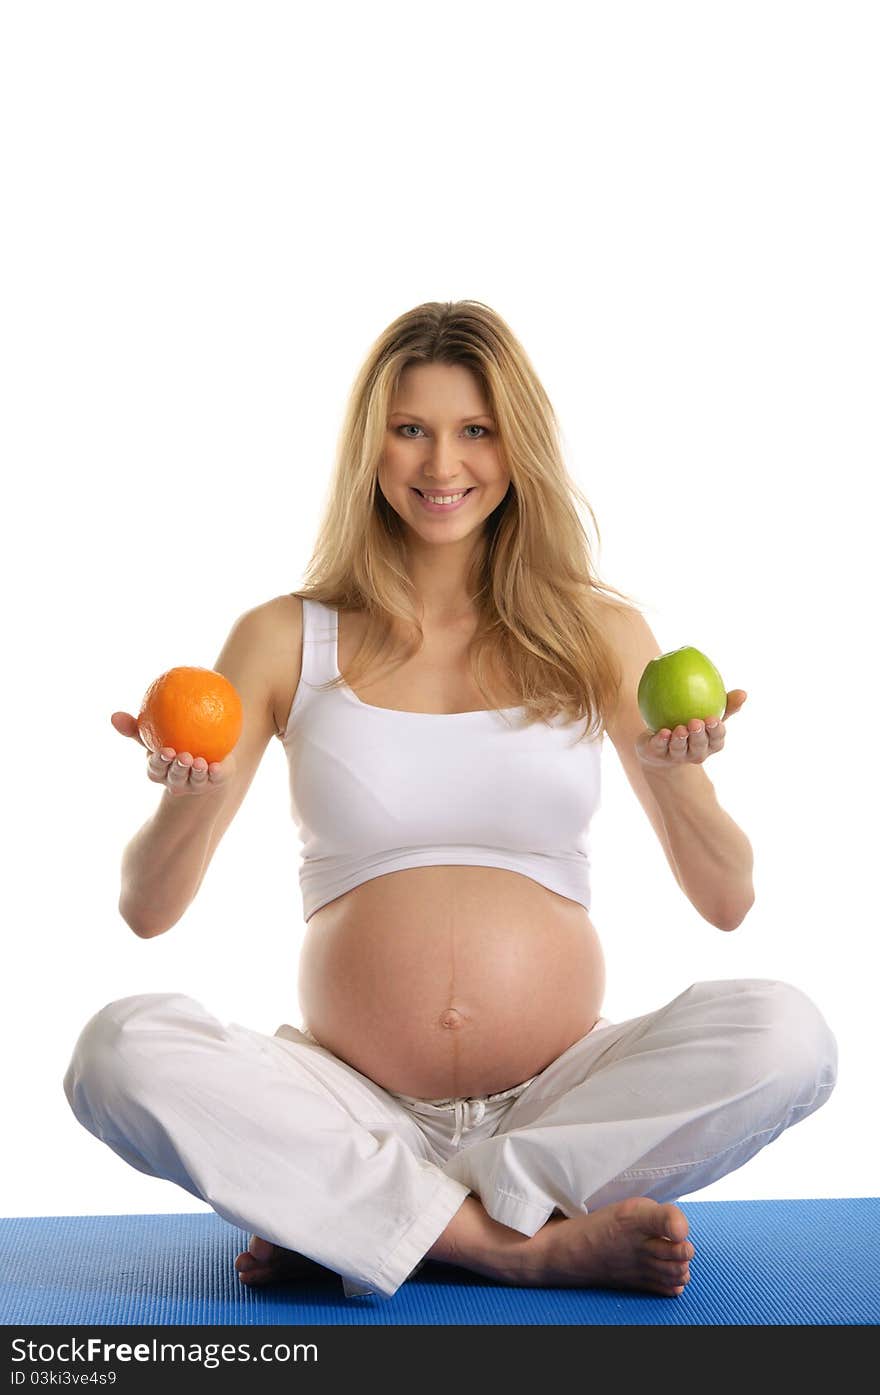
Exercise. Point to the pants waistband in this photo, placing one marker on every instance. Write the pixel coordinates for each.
(469, 1111)
(452, 1101)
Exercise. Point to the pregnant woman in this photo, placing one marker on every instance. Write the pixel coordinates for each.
(441, 689)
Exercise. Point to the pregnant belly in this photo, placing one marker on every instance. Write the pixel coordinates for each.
(450, 981)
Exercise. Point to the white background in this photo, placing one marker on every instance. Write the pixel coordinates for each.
(211, 210)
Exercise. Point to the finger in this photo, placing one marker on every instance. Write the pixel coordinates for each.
(198, 774)
(158, 763)
(715, 731)
(660, 741)
(697, 738)
(126, 725)
(178, 770)
(735, 699)
(678, 744)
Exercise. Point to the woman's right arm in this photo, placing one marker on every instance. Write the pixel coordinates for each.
(165, 862)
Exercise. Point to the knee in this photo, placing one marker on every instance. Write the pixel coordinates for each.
(782, 1035)
(804, 1043)
(114, 1047)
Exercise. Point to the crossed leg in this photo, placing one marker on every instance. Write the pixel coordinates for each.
(633, 1244)
(576, 1187)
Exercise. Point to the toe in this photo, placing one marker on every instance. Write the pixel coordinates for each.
(675, 1224)
(674, 1282)
(669, 1249)
(262, 1250)
(672, 1271)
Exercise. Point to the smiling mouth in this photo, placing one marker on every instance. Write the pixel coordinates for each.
(450, 494)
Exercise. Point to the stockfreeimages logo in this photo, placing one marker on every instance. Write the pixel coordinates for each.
(92, 1350)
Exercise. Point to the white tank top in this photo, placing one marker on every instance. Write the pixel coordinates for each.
(373, 790)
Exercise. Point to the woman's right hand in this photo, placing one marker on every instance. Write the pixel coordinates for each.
(179, 772)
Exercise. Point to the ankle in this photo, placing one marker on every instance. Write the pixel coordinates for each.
(473, 1240)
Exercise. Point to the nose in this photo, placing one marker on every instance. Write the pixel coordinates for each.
(442, 462)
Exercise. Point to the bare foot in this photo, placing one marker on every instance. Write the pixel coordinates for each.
(637, 1243)
(265, 1263)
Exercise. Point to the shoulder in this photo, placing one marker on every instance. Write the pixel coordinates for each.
(282, 611)
(632, 644)
(270, 625)
(621, 625)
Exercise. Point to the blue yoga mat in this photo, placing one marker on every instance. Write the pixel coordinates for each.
(757, 1262)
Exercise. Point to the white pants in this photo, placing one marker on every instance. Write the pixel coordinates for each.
(286, 1141)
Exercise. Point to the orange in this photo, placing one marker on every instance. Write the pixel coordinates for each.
(191, 709)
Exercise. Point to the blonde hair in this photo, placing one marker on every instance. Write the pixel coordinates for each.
(539, 603)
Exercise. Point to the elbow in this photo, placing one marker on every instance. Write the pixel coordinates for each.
(141, 928)
(142, 932)
(732, 922)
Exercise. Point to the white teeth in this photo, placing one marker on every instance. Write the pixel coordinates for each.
(444, 499)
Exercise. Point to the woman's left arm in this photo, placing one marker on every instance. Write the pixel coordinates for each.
(712, 854)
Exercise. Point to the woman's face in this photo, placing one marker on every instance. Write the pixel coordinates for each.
(440, 440)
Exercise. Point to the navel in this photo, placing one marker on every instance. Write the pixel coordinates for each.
(451, 1018)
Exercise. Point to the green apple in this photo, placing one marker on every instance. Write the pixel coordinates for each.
(678, 686)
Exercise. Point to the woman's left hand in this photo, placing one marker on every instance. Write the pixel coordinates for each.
(687, 745)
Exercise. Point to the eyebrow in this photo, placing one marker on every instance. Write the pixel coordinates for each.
(412, 416)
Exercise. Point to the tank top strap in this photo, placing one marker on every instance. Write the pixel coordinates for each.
(320, 624)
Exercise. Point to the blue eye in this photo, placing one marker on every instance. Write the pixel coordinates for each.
(406, 425)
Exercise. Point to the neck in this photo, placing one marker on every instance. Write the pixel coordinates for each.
(440, 576)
